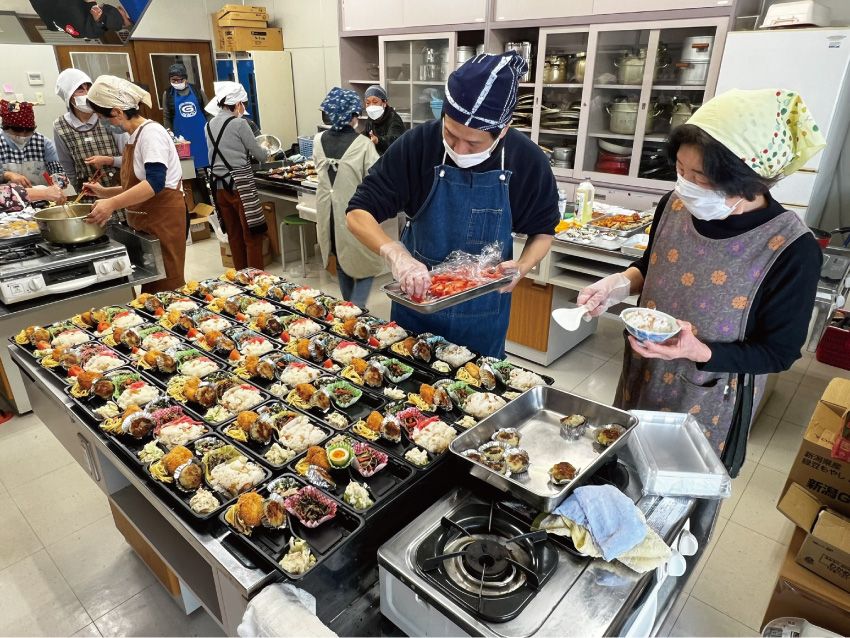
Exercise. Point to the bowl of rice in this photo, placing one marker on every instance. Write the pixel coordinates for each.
(645, 324)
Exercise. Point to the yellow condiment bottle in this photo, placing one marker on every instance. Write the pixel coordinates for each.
(584, 201)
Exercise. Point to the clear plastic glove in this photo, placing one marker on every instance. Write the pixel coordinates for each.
(603, 294)
(60, 180)
(413, 275)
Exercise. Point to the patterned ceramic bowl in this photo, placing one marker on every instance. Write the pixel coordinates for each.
(645, 324)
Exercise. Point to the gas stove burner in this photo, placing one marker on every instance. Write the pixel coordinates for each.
(487, 560)
(19, 253)
(55, 249)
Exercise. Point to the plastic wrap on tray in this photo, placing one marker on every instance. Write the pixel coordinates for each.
(673, 457)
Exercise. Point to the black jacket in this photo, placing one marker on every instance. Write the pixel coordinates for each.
(71, 16)
(387, 129)
(168, 104)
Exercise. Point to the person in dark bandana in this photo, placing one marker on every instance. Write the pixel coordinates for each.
(466, 180)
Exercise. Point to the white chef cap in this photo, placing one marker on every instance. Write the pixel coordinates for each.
(112, 92)
(231, 92)
(68, 82)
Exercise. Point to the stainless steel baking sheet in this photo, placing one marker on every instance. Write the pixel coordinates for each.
(393, 291)
(537, 414)
(621, 233)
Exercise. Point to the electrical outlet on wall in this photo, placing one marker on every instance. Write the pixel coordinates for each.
(39, 98)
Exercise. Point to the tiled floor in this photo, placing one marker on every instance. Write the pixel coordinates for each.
(65, 570)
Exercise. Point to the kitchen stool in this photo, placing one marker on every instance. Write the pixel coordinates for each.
(294, 220)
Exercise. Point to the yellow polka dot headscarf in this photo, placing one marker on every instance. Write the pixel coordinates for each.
(771, 130)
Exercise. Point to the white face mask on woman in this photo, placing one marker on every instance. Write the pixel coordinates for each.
(179, 85)
(375, 111)
(81, 104)
(704, 204)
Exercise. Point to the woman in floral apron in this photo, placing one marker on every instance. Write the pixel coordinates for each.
(738, 271)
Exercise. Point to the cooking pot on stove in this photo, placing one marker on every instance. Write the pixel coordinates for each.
(67, 225)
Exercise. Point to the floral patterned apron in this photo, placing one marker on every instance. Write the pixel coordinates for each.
(710, 283)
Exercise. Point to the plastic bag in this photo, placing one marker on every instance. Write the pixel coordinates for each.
(462, 271)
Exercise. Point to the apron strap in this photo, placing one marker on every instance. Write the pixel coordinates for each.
(217, 153)
(735, 447)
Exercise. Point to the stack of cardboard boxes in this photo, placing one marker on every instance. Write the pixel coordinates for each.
(814, 581)
(245, 28)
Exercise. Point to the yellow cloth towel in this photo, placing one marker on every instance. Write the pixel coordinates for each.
(771, 130)
(651, 552)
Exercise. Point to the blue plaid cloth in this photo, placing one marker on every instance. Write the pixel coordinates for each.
(34, 151)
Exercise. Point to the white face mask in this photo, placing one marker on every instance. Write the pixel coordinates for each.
(20, 140)
(704, 204)
(81, 104)
(179, 85)
(374, 112)
(470, 159)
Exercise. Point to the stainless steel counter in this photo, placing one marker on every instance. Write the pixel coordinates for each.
(220, 582)
(146, 257)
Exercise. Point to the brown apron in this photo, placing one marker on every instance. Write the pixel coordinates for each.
(165, 220)
(710, 283)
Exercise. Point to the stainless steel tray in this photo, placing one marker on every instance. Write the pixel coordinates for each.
(621, 233)
(537, 414)
(393, 291)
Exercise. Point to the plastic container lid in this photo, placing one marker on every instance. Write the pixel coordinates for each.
(673, 457)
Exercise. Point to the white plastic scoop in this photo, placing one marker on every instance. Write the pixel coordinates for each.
(569, 318)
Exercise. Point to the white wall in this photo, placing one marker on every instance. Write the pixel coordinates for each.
(15, 61)
(310, 34)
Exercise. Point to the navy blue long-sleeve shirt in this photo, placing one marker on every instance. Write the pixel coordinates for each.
(782, 307)
(402, 178)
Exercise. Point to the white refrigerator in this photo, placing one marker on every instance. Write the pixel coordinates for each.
(815, 63)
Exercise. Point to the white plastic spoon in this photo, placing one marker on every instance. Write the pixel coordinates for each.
(569, 318)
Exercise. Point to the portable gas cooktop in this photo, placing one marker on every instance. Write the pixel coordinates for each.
(38, 269)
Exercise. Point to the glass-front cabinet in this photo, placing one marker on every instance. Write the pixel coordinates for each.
(606, 97)
(414, 70)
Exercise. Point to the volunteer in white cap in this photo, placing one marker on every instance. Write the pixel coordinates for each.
(151, 177)
(83, 143)
(230, 141)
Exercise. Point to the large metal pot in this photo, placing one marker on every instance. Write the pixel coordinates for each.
(630, 69)
(624, 117)
(579, 65)
(555, 69)
(682, 112)
(692, 73)
(698, 48)
(56, 226)
(525, 51)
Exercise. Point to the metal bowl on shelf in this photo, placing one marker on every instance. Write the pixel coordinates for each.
(269, 143)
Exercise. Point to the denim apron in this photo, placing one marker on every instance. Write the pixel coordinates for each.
(464, 211)
(189, 122)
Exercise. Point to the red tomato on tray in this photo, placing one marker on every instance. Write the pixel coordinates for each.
(446, 284)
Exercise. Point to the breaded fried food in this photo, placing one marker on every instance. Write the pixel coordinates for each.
(303, 348)
(305, 391)
(86, 379)
(374, 421)
(190, 388)
(427, 393)
(359, 365)
(262, 320)
(473, 370)
(317, 456)
(348, 325)
(249, 508)
(246, 419)
(175, 458)
(250, 363)
(151, 356)
(407, 344)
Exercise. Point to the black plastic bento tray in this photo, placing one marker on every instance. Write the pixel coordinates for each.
(366, 341)
(85, 403)
(367, 403)
(154, 317)
(278, 346)
(410, 385)
(162, 378)
(265, 384)
(65, 379)
(382, 485)
(256, 450)
(425, 365)
(131, 446)
(398, 449)
(197, 410)
(182, 332)
(227, 315)
(324, 540)
(30, 349)
(197, 296)
(180, 500)
(126, 351)
(287, 312)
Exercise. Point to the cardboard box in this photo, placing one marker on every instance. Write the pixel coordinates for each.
(247, 39)
(200, 231)
(799, 592)
(826, 548)
(241, 11)
(236, 20)
(227, 256)
(815, 469)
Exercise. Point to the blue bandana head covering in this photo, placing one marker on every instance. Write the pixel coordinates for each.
(340, 106)
(482, 93)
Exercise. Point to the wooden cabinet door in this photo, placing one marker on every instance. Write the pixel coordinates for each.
(363, 15)
(435, 12)
(99, 60)
(531, 307)
(507, 10)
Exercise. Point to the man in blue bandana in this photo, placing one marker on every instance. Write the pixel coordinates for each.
(466, 180)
